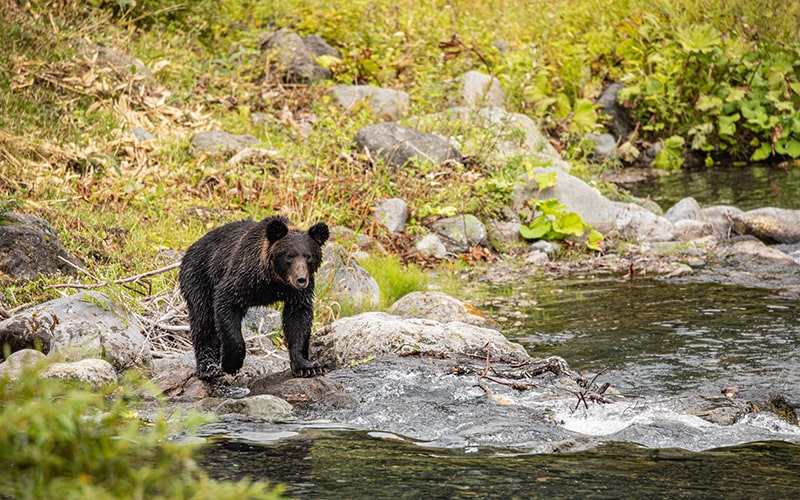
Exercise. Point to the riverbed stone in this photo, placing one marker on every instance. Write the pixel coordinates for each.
(691, 229)
(392, 213)
(296, 391)
(397, 146)
(685, 209)
(263, 407)
(461, 232)
(481, 90)
(367, 335)
(770, 225)
(19, 361)
(605, 146)
(721, 219)
(437, 306)
(386, 104)
(30, 247)
(219, 141)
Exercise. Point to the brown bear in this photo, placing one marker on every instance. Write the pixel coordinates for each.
(245, 264)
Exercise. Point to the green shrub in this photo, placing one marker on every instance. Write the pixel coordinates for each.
(395, 278)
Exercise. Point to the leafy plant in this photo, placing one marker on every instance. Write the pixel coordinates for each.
(394, 278)
(59, 440)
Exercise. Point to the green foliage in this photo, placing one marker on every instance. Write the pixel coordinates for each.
(394, 278)
(64, 441)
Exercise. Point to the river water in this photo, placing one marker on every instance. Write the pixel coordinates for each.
(664, 346)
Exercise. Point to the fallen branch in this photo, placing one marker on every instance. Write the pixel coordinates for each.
(130, 279)
(485, 376)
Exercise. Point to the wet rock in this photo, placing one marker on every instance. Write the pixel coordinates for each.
(297, 391)
(481, 90)
(367, 335)
(386, 104)
(619, 123)
(263, 407)
(461, 232)
(690, 229)
(432, 246)
(397, 146)
(721, 219)
(29, 247)
(319, 47)
(219, 141)
(770, 225)
(96, 372)
(88, 325)
(437, 306)
(686, 209)
(19, 361)
(392, 213)
(346, 279)
(292, 57)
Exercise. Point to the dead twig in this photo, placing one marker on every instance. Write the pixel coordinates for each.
(592, 392)
(130, 279)
(485, 376)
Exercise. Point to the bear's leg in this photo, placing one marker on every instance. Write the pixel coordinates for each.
(204, 339)
(228, 319)
(298, 314)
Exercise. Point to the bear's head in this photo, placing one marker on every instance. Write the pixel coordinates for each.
(295, 254)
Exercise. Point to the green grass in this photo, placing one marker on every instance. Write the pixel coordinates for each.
(395, 278)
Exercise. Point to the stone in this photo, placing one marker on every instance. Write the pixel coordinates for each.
(770, 225)
(96, 372)
(342, 277)
(219, 141)
(141, 134)
(263, 407)
(437, 306)
(461, 232)
(253, 156)
(296, 391)
(536, 258)
(503, 235)
(319, 47)
(386, 104)
(19, 361)
(432, 246)
(620, 123)
(691, 229)
(481, 90)
(721, 219)
(627, 219)
(685, 209)
(30, 247)
(293, 58)
(89, 324)
(373, 334)
(398, 146)
(605, 145)
(28, 331)
(392, 213)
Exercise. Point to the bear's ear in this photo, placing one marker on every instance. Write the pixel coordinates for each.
(276, 229)
(319, 233)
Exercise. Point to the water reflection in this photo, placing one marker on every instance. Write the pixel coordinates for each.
(745, 187)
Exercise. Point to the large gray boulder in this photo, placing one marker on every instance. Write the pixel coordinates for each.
(374, 334)
(437, 306)
(480, 90)
(30, 246)
(95, 372)
(461, 232)
(386, 104)
(626, 219)
(397, 146)
(770, 225)
(83, 325)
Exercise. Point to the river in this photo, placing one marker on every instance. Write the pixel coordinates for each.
(664, 347)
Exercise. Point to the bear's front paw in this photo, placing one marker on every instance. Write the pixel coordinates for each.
(207, 370)
(307, 370)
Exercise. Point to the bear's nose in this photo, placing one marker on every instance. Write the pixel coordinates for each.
(302, 281)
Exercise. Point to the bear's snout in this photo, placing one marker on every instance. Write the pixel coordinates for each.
(301, 282)
(298, 275)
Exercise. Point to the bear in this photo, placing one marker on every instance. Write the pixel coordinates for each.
(244, 264)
